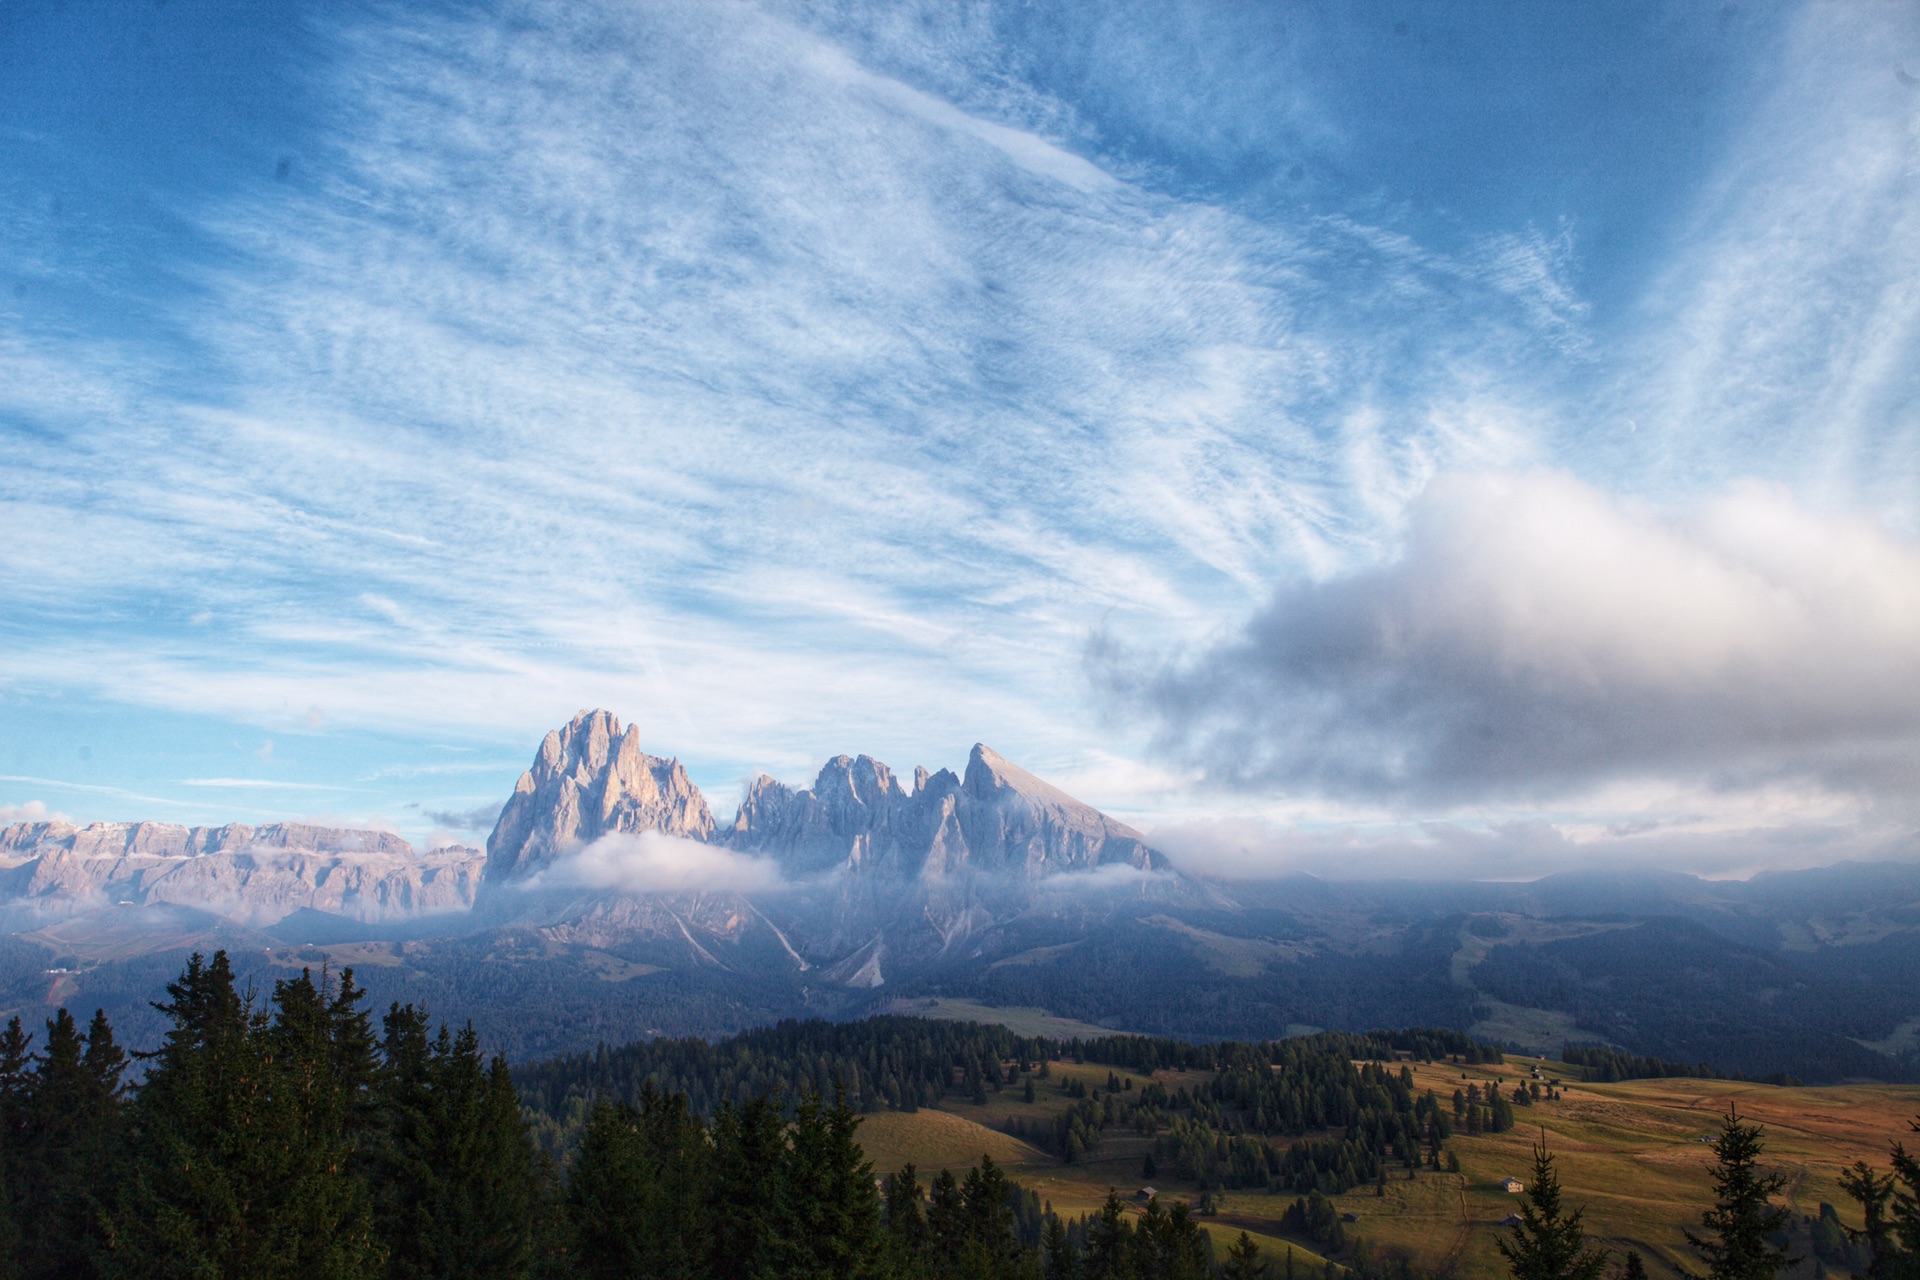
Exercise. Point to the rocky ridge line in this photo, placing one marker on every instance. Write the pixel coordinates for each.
(591, 779)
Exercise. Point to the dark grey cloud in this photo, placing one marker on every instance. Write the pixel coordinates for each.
(1536, 639)
(480, 819)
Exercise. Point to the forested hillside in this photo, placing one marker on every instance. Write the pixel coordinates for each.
(1214, 1131)
(902, 1062)
(297, 1136)
(1185, 994)
(287, 1137)
(1676, 990)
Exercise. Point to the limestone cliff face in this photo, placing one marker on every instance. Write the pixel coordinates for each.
(167, 840)
(1000, 819)
(590, 779)
(256, 876)
(875, 872)
(856, 815)
(1014, 822)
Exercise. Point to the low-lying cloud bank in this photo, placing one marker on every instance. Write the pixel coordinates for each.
(1252, 849)
(1538, 639)
(653, 862)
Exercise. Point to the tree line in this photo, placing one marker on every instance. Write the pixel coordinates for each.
(1604, 1066)
(288, 1138)
(903, 1063)
(1213, 1133)
(271, 1138)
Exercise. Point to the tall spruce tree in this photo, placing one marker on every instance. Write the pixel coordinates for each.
(1737, 1245)
(68, 1131)
(1890, 1203)
(637, 1200)
(906, 1224)
(16, 1078)
(1110, 1243)
(1245, 1262)
(609, 1197)
(239, 1155)
(1059, 1259)
(455, 1177)
(1169, 1245)
(318, 1063)
(946, 1224)
(834, 1206)
(1548, 1244)
(15, 1062)
(682, 1214)
(992, 1250)
(750, 1187)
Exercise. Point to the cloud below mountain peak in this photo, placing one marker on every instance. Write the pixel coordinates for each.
(655, 862)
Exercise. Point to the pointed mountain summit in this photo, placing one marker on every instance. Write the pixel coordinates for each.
(1019, 823)
(999, 820)
(591, 778)
(856, 814)
(588, 780)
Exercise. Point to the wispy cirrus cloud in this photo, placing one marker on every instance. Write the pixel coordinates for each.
(799, 377)
(1780, 330)
(258, 784)
(674, 358)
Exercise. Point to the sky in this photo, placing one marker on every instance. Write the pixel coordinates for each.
(1374, 439)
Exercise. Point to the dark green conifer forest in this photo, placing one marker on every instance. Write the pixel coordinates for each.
(286, 1136)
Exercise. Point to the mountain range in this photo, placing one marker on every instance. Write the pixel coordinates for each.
(610, 903)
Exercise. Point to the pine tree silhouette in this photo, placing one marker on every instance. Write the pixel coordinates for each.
(1548, 1244)
(1736, 1246)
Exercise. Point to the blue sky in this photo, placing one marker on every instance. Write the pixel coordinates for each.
(1416, 437)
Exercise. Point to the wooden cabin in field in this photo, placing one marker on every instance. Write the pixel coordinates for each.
(1512, 1186)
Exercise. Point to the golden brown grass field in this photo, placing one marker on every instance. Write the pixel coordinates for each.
(1632, 1154)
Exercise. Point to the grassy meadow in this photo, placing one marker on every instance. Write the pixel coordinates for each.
(1632, 1153)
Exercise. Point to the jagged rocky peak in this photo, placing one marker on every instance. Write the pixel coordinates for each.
(589, 779)
(852, 814)
(1012, 821)
(999, 819)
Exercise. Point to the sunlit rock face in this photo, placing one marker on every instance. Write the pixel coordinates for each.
(589, 780)
(999, 819)
(873, 877)
(1012, 821)
(168, 840)
(858, 877)
(856, 815)
(252, 875)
